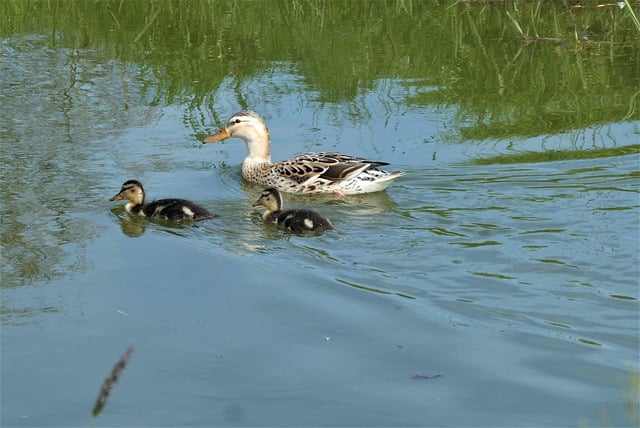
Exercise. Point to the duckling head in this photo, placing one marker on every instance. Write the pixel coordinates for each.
(270, 199)
(132, 191)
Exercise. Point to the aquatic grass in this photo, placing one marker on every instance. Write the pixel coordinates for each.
(621, 297)
(476, 244)
(633, 400)
(589, 342)
(497, 62)
(528, 232)
(507, 83)
(631, 392)
(373, 289)
(557, 155)
(632, 14)
(493, 275)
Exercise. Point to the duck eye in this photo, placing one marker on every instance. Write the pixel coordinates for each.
(237, 121)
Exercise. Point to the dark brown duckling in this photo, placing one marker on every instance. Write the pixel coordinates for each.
(169, 209)
(294, 220)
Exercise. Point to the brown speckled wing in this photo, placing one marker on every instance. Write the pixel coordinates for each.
(324, 166)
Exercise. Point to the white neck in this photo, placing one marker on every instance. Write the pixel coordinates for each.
(258, 145)
(259, 150)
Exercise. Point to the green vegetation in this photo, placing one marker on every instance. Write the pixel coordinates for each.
(633, 402)
(558, 155)
(511, 68)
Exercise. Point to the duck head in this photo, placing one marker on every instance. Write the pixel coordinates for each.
(270, 199)
(248, 126)
(132, 191)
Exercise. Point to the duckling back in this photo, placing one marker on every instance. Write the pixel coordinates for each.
(176, 209)
(300, 220)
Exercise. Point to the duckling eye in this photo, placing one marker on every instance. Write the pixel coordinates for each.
(237, 121)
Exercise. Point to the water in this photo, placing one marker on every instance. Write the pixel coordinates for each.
(516, 282)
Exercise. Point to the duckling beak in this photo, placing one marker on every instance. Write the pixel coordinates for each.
(117, 197)
(220, 135)
(256, 203)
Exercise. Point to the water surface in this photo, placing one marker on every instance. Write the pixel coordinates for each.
(506, 263)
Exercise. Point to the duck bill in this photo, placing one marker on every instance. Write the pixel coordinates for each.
(218, 136)
(117, 197)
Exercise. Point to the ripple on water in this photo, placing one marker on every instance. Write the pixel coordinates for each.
(227, 181)
(520, 240)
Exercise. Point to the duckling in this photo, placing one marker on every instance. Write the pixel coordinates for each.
(294, 220)
(169, 209)
(323, 172)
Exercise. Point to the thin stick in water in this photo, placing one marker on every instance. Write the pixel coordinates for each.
(111, 380)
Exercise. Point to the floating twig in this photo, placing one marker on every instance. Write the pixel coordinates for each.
(419, 376)
(110, 381)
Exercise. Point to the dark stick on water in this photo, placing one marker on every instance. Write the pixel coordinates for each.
(111, 380)
(419, 376)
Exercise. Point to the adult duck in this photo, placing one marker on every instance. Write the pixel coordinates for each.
(323, 172)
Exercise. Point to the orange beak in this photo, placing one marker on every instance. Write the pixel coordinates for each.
(117, 197)
(220, 135)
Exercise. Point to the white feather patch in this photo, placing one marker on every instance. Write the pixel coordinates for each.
(308, 223)
(187, 211)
